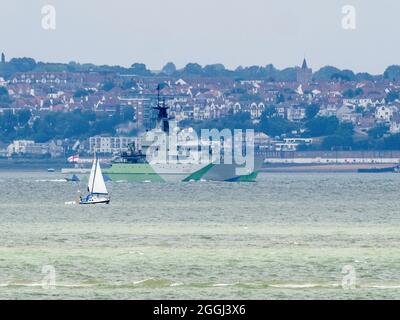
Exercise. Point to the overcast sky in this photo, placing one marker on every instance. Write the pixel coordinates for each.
(232, 32)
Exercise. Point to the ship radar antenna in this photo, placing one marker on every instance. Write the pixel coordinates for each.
(158, 95)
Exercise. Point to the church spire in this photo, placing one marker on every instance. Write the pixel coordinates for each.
(304, 73)
(3, 57)
(304, 66)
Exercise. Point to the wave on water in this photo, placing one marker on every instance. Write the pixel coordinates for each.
(304, 286)
(225, 284)
(40, 285)
(383, 287)
(51, 180)
(155, 283)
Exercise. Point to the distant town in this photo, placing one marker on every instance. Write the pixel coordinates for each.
(54, 110)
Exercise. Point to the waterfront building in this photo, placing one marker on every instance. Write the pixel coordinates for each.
(28, 148)
(110, 145)
(19, 147)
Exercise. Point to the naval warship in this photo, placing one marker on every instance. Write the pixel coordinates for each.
(181, 164)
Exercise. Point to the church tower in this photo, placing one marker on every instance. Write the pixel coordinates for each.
(304, 74)
(3, 58)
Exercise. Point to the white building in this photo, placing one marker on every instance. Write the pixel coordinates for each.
(296, 114)
(286, 146)
(394, 127)
(19, 147)
(256, 110)
(306, 141)
(292, 144)
(384, 113)
(358, 102)
(110, 145)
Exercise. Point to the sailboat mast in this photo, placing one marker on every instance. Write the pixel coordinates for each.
(158, 95)
(95, 171)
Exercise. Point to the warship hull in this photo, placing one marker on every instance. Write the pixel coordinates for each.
(177, 173)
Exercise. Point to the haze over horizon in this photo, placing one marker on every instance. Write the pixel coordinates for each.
(231, 32)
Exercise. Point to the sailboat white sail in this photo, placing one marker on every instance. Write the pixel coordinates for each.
(96, 186)
(92, 176)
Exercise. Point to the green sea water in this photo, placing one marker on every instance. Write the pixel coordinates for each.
(287, 236)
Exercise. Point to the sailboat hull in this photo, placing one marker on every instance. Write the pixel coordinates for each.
(95, 200)
(139, 172)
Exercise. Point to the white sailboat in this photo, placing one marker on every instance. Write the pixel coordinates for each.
(96, 187)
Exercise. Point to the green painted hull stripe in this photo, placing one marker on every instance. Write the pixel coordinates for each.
(199, 174)
(249, 178)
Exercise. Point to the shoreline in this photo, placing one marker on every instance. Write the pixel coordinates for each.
(320, 168)
(40, 165)
(33, 164)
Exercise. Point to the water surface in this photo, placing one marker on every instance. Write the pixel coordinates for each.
(287, 236)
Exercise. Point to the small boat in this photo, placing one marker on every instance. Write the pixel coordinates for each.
(97, 189)
(74, 178)
(380, 170)
(51, 170)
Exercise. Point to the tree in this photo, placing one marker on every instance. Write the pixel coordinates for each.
(352, 94)
(392, 96)
(345, 75)
(3, 91)
(337, 142)
(312, 110)
(128, 84)
(23, 64)
(342, 138)
(280, 98)
(276, 126)
(169, 69)
(326, 73)
(213, 70)
(322, 126)
(392, 142)
(82, 93)
(340, 77)
(4, 97)
(76, 127)
(378, 132)
(140, 69)
(392, 73)
(345, 129)
(8, 123)
(107, 86)
(23, 117)
(270, 111)
(192, 69)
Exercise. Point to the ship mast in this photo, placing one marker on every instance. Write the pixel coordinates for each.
(162, 117)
